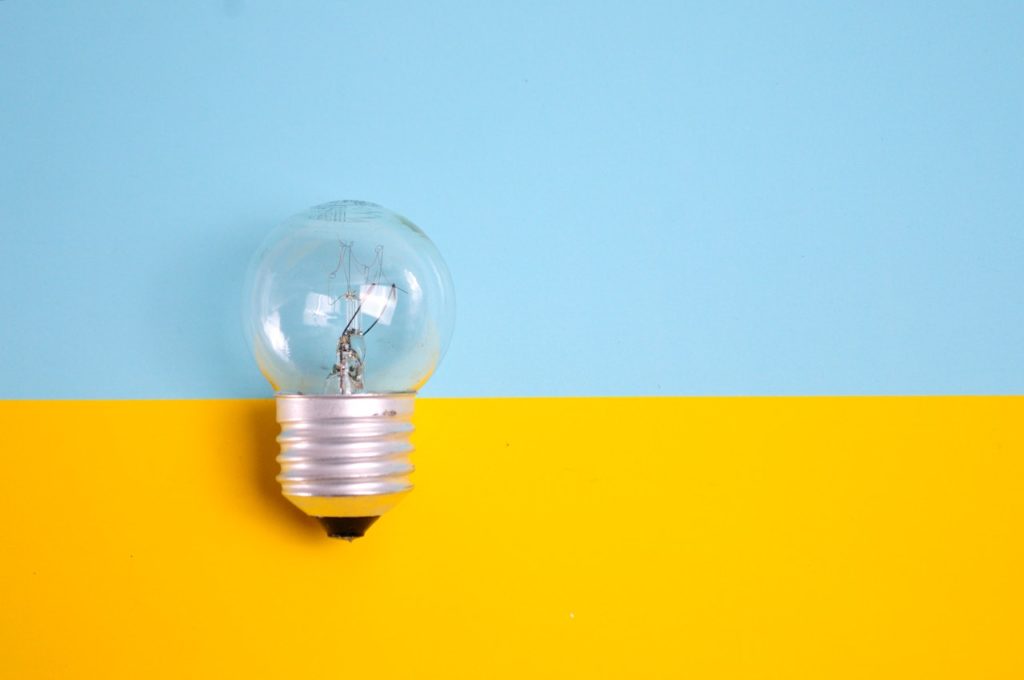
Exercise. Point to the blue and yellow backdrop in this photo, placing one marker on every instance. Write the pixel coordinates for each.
(731, 392)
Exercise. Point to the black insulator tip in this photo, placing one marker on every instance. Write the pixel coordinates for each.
(347, 527)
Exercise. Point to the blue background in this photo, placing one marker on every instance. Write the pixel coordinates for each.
(634, 198)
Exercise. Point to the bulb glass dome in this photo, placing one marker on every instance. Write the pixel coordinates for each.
(348, 298)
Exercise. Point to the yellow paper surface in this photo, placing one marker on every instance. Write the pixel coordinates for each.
(619, 537)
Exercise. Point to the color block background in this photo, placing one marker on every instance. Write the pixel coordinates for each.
(553, 538)
(637, 201)
(717, 198)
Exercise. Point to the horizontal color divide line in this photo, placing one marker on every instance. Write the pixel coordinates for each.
(10, 401)
(614, 537)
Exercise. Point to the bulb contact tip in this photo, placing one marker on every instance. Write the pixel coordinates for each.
(349, 528)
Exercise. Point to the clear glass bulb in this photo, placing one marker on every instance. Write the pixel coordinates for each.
(349, 298)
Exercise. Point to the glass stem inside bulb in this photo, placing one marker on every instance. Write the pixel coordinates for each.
(349, 367)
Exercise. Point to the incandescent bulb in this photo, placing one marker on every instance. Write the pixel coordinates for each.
(349, 310)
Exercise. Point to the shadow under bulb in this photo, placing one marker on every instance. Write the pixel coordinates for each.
(349, 309)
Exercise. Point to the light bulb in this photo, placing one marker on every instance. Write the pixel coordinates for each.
(349, 310)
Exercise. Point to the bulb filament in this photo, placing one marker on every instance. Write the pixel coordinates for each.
(351, 349)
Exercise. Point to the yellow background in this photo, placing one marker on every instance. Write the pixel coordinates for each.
(711, 538)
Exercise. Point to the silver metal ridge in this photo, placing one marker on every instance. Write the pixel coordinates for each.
(345, 455)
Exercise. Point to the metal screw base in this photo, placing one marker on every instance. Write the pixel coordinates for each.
(345, 457)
